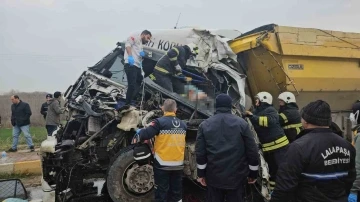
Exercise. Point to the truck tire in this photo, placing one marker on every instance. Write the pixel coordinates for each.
(122, 168)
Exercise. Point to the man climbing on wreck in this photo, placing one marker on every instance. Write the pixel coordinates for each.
(168, 70)
(133, 63)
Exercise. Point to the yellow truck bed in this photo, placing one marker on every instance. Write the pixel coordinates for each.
(312, 63)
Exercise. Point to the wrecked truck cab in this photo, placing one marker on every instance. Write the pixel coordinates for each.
(95, 142)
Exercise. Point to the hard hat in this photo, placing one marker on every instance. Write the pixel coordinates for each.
(287, 97)
(194, 49)
(265, 97)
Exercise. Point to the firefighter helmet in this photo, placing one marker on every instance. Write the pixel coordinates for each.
(264, 97)
(287, 97)
(194, 49)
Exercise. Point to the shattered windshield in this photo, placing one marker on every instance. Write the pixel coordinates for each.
(117, 72)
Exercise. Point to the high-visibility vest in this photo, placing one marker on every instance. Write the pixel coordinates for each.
(169, 146)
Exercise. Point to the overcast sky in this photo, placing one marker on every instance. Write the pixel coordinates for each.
(46, 44)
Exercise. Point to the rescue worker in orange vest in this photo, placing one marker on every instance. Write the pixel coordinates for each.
(169, 148)
(265, 120)
(289, 115)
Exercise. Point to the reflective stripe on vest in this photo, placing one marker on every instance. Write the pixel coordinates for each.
(160, 69)
(152, 77)
(284, 117)
(175, 58)
(169, 147)
(281, 142)
(326, 176)
(297, 126)
(263, 121)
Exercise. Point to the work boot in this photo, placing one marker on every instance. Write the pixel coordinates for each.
(12, 150)
(32, 149)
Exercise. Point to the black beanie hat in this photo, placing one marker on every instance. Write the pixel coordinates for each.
(49, 95)
(356, 106)
(317, 113)
(57, 94)
(223, 100)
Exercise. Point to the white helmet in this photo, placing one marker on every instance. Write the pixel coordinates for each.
(194, 49)
(287, 97)
(265, 97)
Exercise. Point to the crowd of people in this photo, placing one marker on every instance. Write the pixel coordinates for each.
(307, 157)
(21, 113)
(308, 161)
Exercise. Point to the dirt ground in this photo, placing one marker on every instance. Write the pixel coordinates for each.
(31, 181)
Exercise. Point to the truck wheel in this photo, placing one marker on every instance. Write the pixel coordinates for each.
(128, 182)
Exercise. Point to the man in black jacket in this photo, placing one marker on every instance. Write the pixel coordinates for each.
(168, 70)
(265, 120)
(45, 105)
(226, 154)
(20, 119)
(289, 115)
(319, 165)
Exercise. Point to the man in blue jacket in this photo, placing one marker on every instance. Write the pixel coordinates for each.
(169, 149)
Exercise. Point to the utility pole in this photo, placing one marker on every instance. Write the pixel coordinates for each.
(177, 21)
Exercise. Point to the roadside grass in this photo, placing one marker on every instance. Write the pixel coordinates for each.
(38, 135)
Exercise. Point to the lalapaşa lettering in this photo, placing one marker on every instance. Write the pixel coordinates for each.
(336, 159)
(332, 150)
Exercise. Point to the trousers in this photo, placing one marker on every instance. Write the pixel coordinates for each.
(134, 79)
(16, 133)
(214, 194)
(168, 185)
(169, 82)
(274, 158)
(50, 129)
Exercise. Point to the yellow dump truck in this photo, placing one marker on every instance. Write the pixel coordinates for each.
(311, 63)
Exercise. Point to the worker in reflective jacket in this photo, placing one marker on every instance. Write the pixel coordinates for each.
(168, 70)
(169, 148)
(289, 115)
(271, 136)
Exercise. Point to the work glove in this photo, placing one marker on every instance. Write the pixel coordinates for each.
(142, 53)
(178, 68)
(131, 60)
(136, 137)
(352, 197)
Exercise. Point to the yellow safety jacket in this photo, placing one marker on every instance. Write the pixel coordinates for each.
(169, 133)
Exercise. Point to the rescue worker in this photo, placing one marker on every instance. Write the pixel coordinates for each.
(226, 154)
(133, 63)
(319, 165)
(289, 115)
(45, 105)
(169, 148)
(168, 70)
(354, 117)
(265, 120)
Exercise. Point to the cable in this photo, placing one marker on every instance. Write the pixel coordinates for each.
(69, 180)
(339, 38)
(143, 90)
